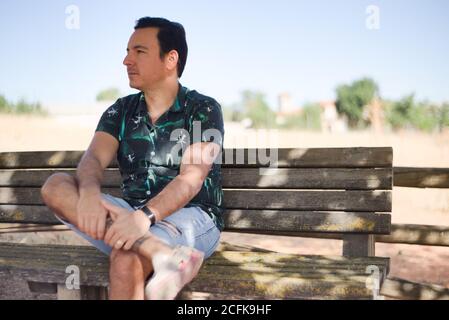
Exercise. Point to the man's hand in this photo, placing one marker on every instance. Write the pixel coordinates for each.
(92, 216)
(127, 227)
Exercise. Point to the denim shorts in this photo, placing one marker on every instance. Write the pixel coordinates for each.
(188, 226)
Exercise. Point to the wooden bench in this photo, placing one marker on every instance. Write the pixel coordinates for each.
(343, 191)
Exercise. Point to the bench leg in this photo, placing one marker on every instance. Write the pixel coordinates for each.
(359, 245)
(68, 294)
(85, 293)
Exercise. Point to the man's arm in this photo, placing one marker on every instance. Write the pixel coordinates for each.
(91, 214)
(196, 163)
(195, 166)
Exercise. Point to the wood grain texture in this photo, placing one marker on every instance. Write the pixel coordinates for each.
(421, 177)
(263, 221)
(281, 178)
(270, 275)
(352, 157)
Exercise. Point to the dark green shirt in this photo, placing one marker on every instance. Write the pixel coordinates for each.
(149, 155)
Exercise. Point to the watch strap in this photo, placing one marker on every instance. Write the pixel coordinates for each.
(149, 214)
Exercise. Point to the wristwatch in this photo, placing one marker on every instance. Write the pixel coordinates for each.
(149, 214)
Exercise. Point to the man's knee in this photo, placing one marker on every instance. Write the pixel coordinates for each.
(54, 183)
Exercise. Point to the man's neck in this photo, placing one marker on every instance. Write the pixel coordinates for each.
(160, 98)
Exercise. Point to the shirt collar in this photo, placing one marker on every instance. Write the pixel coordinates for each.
(177, 106)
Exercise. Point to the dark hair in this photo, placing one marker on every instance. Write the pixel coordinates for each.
(171, 36)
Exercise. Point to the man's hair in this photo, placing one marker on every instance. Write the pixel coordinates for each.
(171, 36)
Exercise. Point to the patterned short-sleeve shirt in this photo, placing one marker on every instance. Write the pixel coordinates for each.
(149, 155)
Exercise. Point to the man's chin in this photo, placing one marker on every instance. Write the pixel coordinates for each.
(134, 85)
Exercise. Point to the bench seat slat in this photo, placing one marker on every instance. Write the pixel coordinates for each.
(271, 275)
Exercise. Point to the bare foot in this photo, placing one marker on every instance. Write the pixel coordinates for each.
(172, 272)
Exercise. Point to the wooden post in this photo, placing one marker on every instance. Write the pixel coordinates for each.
(84, 293)
(94, 293)
(68, 294)
(359, 245)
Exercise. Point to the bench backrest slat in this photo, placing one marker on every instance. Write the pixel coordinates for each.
(242, 178)
(357, 157)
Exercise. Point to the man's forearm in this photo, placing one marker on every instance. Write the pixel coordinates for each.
(89, 174)
(174, 196)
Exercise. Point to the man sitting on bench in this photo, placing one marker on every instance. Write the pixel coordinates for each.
(166, 139)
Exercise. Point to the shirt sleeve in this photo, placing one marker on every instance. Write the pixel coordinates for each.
(110, 120)
(207, 123)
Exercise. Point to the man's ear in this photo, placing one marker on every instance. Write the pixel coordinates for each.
(172, 60)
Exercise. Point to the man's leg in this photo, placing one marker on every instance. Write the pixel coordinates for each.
(127, 274)
(128, 270)
(60, 194)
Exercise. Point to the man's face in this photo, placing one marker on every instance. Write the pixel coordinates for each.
(143, 63)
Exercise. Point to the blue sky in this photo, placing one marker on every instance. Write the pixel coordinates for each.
(306, 48)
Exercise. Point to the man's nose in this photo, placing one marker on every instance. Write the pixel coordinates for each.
(127, 61)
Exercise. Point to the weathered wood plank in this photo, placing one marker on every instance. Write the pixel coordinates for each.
(308, 200)
(282, 178)
(270, 221)
(293, 222)
(271, 275)
(272, 285)
(38, 214)
(417, 234)
(358, 245)
(421, 177)
(404, 289)
(351, 157)
(255, 199)
(427, 235)
(60, 254)
(37, 177)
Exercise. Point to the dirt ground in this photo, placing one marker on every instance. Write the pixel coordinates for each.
(423, 264)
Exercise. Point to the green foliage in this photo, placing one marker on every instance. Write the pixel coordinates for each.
(256, 108)
(424, 117)
(443, 118)
(24, 107)
(21, 107)
(5, 106)
(409, 114)
(352, 98)
(398, 113)
(110, 94)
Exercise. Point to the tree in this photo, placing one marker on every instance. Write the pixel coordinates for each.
(110, 94)
(408, 113)
(424, 116)
(443, 118)
(5, 106)
(351, 100)
(256, 108)
(399, 112)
